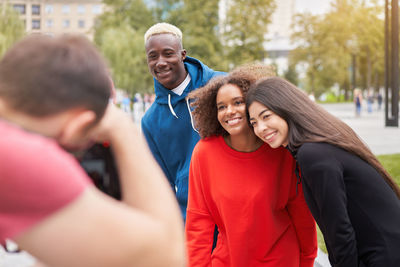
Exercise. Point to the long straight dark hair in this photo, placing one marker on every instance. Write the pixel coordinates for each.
(309, 122)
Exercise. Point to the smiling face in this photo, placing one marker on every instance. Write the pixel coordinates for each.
(165, 57)
(231, 109)
(268, 126)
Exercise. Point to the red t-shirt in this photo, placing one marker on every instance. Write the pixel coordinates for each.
(37, 178)
(252, 199)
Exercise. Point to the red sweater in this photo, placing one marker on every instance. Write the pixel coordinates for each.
(252, 199)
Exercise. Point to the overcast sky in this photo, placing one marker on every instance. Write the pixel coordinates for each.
(313, 6)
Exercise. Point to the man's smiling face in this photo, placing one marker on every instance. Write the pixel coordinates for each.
(165, 57)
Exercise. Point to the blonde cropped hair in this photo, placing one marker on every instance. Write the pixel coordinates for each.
(163, 27)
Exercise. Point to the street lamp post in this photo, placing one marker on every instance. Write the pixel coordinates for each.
(392, 64)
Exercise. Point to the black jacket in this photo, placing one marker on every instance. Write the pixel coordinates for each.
(356, 210)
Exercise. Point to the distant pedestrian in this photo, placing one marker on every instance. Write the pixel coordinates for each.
(357, 97)
(126, 103)
(138, 107)
(351, 196)
(380, 99)
(370, 101)
(147, 102)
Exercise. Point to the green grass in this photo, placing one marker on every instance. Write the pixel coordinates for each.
(392, 165)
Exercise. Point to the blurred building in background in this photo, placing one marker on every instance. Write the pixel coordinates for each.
(278, 44)
(54, 17)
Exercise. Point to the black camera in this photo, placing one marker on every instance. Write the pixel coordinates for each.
(99, 164)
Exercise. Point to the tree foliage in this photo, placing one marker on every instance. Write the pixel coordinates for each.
(119, 34)
(244, 29)
(198, 21)
(163, 10)
(291, 74)
(11, 28)
(327, 43)
(123, 47)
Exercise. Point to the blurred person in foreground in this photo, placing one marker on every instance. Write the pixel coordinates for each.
(54, 96)
(168, 124)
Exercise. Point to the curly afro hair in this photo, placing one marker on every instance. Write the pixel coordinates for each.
(204, 98)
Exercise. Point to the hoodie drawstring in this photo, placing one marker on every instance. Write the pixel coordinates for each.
(190, 114)
(188, 106)
(170, 106)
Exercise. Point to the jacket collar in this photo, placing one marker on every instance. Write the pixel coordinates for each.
(199, 74)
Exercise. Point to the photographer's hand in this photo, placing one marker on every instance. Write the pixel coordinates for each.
(143, 184)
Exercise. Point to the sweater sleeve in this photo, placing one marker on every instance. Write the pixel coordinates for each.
(199, 224)
(323, 175)
(304, 224)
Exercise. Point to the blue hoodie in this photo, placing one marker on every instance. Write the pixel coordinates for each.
(168, 128)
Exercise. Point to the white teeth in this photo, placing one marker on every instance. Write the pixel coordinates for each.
(270, 135)
(163, 71)
(233, 121)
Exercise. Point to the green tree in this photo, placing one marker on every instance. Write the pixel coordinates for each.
(198, 21)
(244, 29)
(163, 10)
(308, 52)
(328, 43)
(134, 13)
(369, 33)
(339, 24)
(11, 28)
(124, 49)
(119, 35)
(291, 75)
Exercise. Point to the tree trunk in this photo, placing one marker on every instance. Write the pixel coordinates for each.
(369, 66)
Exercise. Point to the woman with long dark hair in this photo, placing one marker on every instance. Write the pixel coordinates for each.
(243, 186)
(351, 196)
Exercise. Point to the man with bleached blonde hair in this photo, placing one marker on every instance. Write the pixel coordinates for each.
(168, 125)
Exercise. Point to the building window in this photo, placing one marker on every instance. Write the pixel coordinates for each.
(36, 24)
(96, 9)
(65, 9)
(49, 9)
(20, 8)
(66, 23)
(35, 9)
(81, 9)
(81, 23)
(49, 23)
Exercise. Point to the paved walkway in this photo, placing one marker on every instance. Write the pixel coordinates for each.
(369, 126)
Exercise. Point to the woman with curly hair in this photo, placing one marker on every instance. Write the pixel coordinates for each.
(351, 196)
(243, 186)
